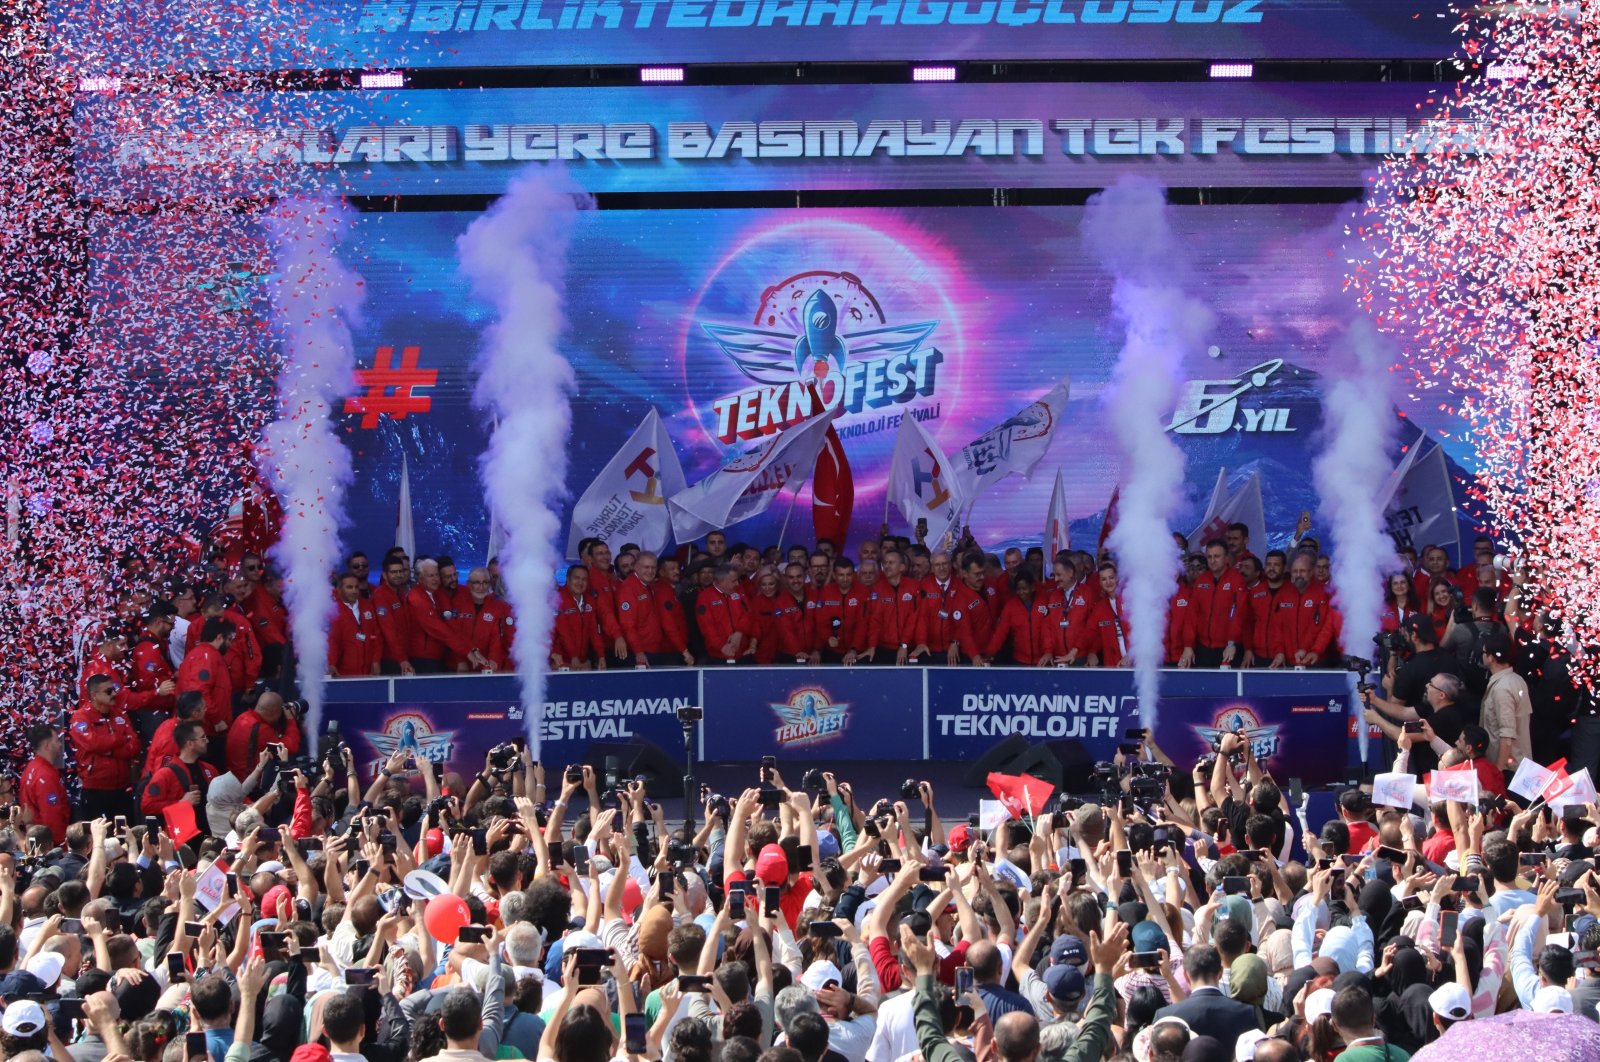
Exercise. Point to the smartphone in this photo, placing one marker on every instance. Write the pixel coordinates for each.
(575, 775)
(194, 1046)
(176, 970)
(589, 975)
(1324, 863)
(273, 945)
(1466, 883)
(152, 825)
(472, 934)
(633, 1030)
(1148, 960)
(480, 842)
(1349, 859)
(802, 859)
(72, 925)
(1393, 855)
(768, 765)
(1234, 885)
(1568, 897)
(1532, 859)
(361, 975)
(1128, 748)
(580, 860)
(232, 881)
(824, 929)
(1080, 869)
(771, 798)
(664, 887)
(736, 904)
(1296, 791)
(1135, 733)
(890, 867)
(70, 1008)
(1125, 862)
(1447, 928)
(694, 983)
(1414, 727)
(269, 834)
(963, 981)
(120, 823)
(933, 873)
(361, 867)
(310, 844)
(769, 900)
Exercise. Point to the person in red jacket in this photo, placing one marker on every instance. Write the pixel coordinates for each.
(1109, 634)
(248, 658)
(1262, 584)
(604, 585)
(893, 609)
(638, 613)
(41, 793)
(1435, 565)
(107, 747)
(674, 620)
(841, 616)
(205, 670)
(354, 641)
(265, 724)
(936, 623)
(269, 621)
(164, 746)
(767, 607)
(801, 629)
(1180, 620)
(483, 619)
(389, 608)
(109, 658)
(1398, 602)
(974, 622)
(185, 777)
(432, 636)
(1303, 621)
(576, 643)
(725, 619)
(1218, 605)
(244, 654)
(1023, 623)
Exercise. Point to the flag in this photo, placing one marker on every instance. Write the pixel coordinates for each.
(1243, 506)
(1419, 503)
(405, 532)
(1535, 782)
(1014, 445)
(627, 502)
(180, 822)
(749, 481)
(1578, 789)
(920, 481)
(1022, 794)
(833, 492)
(1459, 783)
(1394, 790)
(1110, 519)
(1057, 525)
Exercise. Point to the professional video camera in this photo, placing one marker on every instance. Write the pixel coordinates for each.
(813, 782)
(503, 756)
(910, 789)
(1362, 666)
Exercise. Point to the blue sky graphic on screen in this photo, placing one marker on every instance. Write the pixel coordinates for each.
(958, 317)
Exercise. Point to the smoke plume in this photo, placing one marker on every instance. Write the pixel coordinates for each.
(515, 256)
(315, 301)
(1126, 228)
(1350, 474)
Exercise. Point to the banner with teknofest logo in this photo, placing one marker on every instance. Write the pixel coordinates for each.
(813, 715)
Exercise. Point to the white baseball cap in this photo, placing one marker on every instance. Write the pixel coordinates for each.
(23, 1018)
(1552, 999)
(1451, 1001)
(821, 973)
(1319, 1003)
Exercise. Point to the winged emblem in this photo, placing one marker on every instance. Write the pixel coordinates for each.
(776, 357)
(423, 745)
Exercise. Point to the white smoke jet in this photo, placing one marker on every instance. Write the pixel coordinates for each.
(316, 300)
(1350, 474)
(515, 256)
(1126, 228)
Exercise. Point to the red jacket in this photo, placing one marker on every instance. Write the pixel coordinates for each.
(674, 624)
(355, 641)
(841, 616)
(787, 632)
(604, 587)
(250, 733)
(974, 621)
(1218, 604)
(170, 783)
(639, 616)
(269, 619)
(1259, 601)
(576, 633)
(1180, 621)
(204, 669)
(1109, 632)
(892, 615)
(1303, 622)
(162, 745)
(998, 589)
(244, 654)
(1392, 617)
(1068, 612)
(767, 612)
(481, 626)
(936, 623)
(132, 698)
(150, 669)
(107, 747)
(720, 615)
(393, 614)
(1029, 629)
(44, 797)
(432, 636)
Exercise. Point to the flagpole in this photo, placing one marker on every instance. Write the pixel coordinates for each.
(783, 532)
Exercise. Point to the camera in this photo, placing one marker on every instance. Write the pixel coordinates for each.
(1361, 665)
(910, 789)
(1071, 803)
(296, 706)
(812, 781)
(719, 806)
(502, 756)
(691, 714)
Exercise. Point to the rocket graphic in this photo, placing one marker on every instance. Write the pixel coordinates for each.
(819, 341)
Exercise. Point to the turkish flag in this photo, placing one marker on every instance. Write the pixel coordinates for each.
(180, 822)
(833, 492)
(1110, 520)
(1558, 784)
(1022, 794)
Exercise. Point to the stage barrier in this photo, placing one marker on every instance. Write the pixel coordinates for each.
(1299, 722)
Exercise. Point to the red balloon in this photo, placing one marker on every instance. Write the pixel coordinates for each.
(444, 916)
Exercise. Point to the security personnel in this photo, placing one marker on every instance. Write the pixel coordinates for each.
(153, 684)
(163, 746)
(41, 793)
(725, 618)
(354, 641)
(107, 747)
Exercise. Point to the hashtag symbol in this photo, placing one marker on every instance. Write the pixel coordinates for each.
(390, 388)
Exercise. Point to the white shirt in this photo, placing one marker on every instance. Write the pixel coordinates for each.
(178, 640)
(897, 1032)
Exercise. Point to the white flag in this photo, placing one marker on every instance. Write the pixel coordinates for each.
(1531, 779)
(1581, 791)
(920, 481)
(627, 502)
(1014, 445)
(405, 532)
(1394, 790)
(1458, 785)
(1243, 506)
(749, 482)
(1057, 525)
(1421, 506)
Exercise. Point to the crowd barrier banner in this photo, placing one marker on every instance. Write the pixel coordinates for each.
(1296, 722)
(452, 33)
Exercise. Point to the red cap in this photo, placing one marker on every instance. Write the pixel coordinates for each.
(311, 1053)
(960, 838)
(772, 865)
(270, 900)
(433, 842)
(632, 897)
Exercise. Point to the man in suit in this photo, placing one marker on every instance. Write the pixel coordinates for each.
(1208, 1011)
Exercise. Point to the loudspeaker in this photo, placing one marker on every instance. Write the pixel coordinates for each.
(995, 760)
(640, 757)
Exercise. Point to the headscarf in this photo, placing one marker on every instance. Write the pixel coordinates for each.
(1406, 968)
(1247, 983)
(654, 968)
(1277, 951)
(1375, 900)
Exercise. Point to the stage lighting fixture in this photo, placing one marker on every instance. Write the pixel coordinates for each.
(1221, 70)
(99, 84)
(384, 79)
(933, 73)
(660, 75)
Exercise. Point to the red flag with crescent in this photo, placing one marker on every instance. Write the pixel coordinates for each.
(833, 491)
